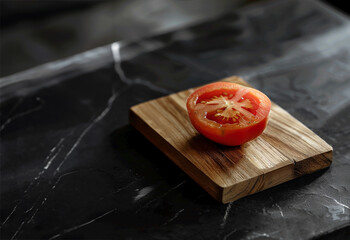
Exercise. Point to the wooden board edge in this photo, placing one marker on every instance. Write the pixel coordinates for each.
(242, 189)
(278, 176)
(259, 183)
(175, 156)
(313, 164)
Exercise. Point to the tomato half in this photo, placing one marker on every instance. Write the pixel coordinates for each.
(228, 113)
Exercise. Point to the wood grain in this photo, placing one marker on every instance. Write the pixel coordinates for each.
(286, 150)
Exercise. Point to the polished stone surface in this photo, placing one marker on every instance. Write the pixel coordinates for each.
(73, 167)
(52, 34)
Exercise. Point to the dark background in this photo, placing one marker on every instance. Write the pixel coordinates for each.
(35, 32)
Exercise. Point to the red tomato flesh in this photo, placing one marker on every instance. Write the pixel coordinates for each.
(228, 113)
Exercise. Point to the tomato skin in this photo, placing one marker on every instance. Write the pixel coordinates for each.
(228, 134)
(234, 138)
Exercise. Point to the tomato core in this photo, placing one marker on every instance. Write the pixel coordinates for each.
(228, 113)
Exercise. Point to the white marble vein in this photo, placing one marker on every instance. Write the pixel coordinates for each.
(229, 234)
(178, 185)
(337, 202)
(118, 190)
(227, 212)
(115, 47)
(88, 128)
(258, 235)
(41, 203)
(49, 158)
(17, 231)
(66, 174)
(280, 210)
(337, 212)
(174, 217)
(111, 100)
(9, 216)
(15, 106)
(30, 219)
(117, 62)
(22, 114)
(36, 210)
(329, 197)
(71, 229)
(29, 209)
(52, 158)
(126, 186)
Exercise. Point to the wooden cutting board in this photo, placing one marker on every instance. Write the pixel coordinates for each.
(286, 150)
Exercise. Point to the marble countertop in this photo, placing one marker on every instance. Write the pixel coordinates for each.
(73, 167)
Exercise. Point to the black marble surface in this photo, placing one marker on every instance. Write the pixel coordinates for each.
(73, 168)
(34, 32)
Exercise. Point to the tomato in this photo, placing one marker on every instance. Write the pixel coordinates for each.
(228, 113)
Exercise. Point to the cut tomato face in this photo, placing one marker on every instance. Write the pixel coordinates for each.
(228, 113)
